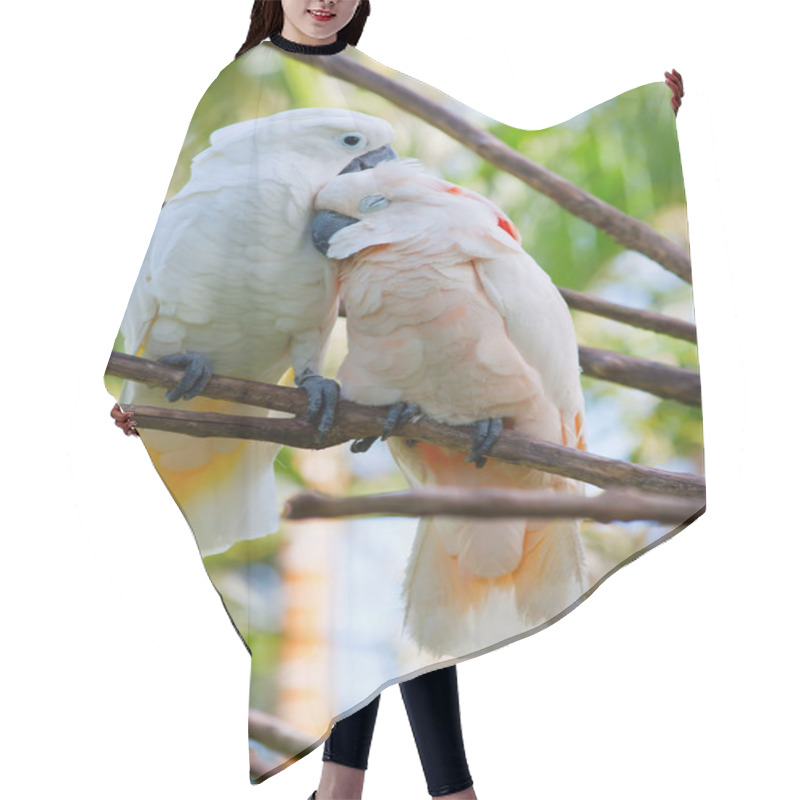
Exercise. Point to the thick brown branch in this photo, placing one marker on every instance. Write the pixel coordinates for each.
(659, 323)
(354, 421)
(612, 506)
(625, 230)
(237, 390)
(671, 383)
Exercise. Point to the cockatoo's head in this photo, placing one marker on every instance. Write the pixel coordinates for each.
(306, 146)
(381, 205)
(399, 201)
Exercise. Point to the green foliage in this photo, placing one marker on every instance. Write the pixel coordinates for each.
(624, 152)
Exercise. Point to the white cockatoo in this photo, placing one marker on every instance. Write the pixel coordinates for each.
(449, 316)
(232, 284)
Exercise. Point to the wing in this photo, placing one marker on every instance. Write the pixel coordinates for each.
(175, 222)
(537, 318)
(540, 326)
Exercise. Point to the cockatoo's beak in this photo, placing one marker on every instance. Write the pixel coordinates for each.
(325, 225)
(370, 159)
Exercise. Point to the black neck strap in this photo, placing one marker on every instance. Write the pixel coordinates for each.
(308, 49)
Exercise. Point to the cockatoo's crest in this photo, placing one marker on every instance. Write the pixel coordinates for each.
(289, 143)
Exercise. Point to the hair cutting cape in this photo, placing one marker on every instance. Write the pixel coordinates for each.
(331, 218)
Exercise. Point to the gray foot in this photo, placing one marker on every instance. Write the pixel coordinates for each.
(362, 445)
(323, 395)
(398, 415)
(486, 433)
(197, 372)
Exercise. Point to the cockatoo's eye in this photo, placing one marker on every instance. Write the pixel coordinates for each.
(372, 202)
(352, 140)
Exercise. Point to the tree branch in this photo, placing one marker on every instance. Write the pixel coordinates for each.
(671, 383)
(659, 323)
(277, 734)
(258, 768)
(624, 229)
(612, 506)
(355, 421)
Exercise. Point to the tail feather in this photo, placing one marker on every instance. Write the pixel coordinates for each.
(440, 597)
(450, 610)
(552, 574)
(224, 487)
(486, 548)
(228, 498)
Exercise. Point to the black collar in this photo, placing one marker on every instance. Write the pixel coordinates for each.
(308, 49)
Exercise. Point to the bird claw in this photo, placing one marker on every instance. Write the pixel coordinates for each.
(362, 445)
(486, 434)
(197, 372)
(323, 396)
(399, 414)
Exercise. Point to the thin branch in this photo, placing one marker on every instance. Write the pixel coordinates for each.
(258, 768)
(624, 229)
(612, 506)
(659, 323)
(277, 734)
(355, 421)
(220, 387)
(671, 383)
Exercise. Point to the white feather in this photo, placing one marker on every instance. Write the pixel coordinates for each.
(231, 273)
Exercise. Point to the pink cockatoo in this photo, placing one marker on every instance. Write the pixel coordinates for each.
(448, 315)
